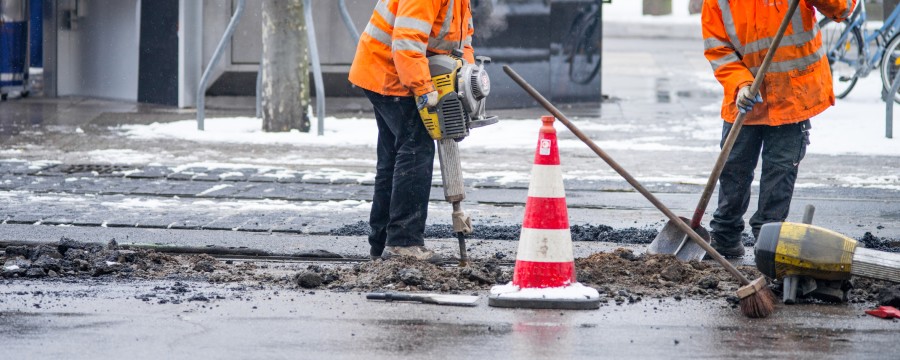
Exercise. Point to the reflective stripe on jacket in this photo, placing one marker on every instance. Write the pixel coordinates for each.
(391, 54)
(736, 38)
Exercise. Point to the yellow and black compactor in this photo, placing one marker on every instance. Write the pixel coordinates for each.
(808, 256)
(462, 90)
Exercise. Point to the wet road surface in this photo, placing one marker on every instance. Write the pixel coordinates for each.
(87, 320)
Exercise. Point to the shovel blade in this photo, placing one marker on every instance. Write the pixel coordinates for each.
(670, 238)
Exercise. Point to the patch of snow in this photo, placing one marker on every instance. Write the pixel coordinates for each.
(40, 164)
(232, 174)
(302, 160)
(501, 177)
(121, 156)
(715, 107)
(241, 205)
(332, 174)
(214, 188)
(247, 130)
(216, 166)
(855, 124)
(884, 182)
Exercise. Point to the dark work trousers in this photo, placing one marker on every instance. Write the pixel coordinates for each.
(402, 174)
(782, 149)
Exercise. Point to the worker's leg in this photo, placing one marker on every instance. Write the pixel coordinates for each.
(783, 149)
(734, 187)
(413, 164)
(384, 176)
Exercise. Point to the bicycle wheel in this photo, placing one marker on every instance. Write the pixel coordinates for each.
(890, 63)
(844, 58)
(571, 39)
(584, 59)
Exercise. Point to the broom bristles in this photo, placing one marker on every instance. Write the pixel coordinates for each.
(759, 304)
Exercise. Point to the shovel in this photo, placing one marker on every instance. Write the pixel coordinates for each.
(671, 239)
(438, 299)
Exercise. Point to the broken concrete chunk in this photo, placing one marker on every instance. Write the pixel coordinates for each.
(411, 276)
(308, 279)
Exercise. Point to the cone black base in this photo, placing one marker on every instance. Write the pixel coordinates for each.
(561, 304)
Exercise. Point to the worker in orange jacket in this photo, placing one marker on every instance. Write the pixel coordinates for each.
(798, 86)
(391, 67)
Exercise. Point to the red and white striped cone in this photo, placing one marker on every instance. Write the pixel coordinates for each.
(544, 276)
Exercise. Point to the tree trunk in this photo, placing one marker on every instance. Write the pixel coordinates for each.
(285, 66)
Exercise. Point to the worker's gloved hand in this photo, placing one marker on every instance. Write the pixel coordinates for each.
(429, 100)
(745, 100)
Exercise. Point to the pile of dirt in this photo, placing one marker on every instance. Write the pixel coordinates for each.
(73, 258)
(880, 243)
(889, 295)
(863, 290)
(586, 232)
(624, 276)
(404, 274)
(620, 276)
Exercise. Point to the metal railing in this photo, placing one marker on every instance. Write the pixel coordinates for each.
(313, 54)
(317, 67)
(201, 90)
(348, 21)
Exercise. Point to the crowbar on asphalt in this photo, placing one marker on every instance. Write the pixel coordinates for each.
(438, 299)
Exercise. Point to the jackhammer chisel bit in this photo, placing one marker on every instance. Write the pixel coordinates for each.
(455, 192)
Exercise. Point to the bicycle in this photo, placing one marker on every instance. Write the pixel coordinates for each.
(852, 55)
(582, 45)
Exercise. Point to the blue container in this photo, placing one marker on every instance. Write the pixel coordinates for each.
(13, 45)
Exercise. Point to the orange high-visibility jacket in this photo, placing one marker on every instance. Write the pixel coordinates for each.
(391, 54)
(736, 38)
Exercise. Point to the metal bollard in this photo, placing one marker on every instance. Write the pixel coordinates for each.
(889, 112)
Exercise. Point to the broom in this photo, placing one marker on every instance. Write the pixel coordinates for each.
(756, 300)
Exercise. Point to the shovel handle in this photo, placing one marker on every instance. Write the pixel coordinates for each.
(619, 169)
(758, 79)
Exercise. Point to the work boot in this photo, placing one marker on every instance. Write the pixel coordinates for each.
(374, 253)
(729, 251)
(415, 252)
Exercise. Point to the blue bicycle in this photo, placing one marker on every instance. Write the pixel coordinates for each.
(853, 51)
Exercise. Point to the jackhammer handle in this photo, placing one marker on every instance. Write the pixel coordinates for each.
(758, 79)
(630, 179)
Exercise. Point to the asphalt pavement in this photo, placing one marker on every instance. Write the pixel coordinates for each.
(90, 320)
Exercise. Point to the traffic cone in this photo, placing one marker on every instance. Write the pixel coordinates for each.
(544, 277)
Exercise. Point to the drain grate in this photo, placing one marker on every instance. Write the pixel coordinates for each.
(90, 168)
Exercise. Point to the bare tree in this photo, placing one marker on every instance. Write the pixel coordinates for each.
(285, 66)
